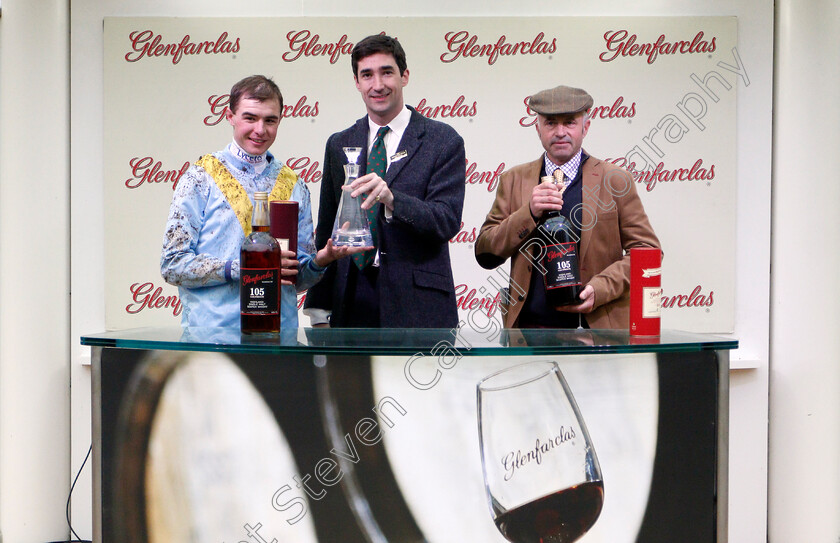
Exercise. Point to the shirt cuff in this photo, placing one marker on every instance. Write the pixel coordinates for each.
(315, 267)
(317, 316)
(228, 266)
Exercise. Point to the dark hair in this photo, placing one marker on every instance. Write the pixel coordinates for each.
(378, 43)
(256, 87)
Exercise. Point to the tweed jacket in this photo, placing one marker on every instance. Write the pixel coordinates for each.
(416, 286)
(614, 222)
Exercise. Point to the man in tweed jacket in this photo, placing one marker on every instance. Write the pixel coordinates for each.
(418, 204)
(601, 201)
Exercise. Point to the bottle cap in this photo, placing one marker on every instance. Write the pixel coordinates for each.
(260, 196)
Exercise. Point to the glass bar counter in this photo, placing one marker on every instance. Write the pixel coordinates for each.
(361, 435)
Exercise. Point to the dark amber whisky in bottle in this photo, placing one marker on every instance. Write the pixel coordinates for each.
(560, 259)
(259, 282)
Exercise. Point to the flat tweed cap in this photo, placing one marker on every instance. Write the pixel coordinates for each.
(560, 100)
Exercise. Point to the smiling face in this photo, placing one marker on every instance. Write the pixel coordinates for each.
(254, 124)
(379, 81)
(562, 135)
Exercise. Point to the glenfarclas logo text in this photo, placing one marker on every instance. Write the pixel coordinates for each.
(218, 108)
(462, 44)
(479, 177)
(470, 299)
(145, 43)
(459, 108)
(258, 277)
(650, 178)
(518, 459)
(696, 299)
(618, 110)
(219, 105)
(620, 43)
(148, 170)
(465, 235)
(306, 169)
(303, 43)
(558, 251)
(148, 296)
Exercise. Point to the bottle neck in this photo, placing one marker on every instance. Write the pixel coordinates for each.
(259, 219)
(351, 173)
(550, 179)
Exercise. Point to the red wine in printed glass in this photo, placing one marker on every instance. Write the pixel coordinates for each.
(563, 516)
(541, 474)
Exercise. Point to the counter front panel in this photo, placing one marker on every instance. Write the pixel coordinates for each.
(371, 435)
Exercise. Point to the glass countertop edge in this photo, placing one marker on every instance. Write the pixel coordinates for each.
(162, 339)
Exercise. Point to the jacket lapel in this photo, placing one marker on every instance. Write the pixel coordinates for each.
(591, 190)
(409, 144)
(359, 138)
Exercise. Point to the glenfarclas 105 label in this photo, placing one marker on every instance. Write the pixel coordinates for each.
(561, 266)
(260, 291)
(562, 274)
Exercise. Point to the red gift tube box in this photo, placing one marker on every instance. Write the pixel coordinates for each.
(645, 291)
(283, 225)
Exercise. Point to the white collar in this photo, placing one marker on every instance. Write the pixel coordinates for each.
(244, 156)
(397, 127)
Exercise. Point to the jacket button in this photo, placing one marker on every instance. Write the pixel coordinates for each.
(521, 297)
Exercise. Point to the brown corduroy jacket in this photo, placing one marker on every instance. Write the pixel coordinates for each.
(614, 222)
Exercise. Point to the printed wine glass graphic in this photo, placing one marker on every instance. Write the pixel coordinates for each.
(541, 474)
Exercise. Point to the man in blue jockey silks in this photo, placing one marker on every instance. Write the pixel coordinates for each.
(210, 215)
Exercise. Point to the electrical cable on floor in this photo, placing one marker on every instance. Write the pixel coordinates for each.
(67, 507)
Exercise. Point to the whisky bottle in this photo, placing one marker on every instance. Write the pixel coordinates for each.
(259, 283)
(560, 259)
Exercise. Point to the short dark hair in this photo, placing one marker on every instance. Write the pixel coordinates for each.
(256, 87)
(378, 43)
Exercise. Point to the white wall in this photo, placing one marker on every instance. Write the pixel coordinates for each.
(34, 365)
(805, 346)
(34, 269)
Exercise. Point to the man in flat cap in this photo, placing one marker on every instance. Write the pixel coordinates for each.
(600, 203)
